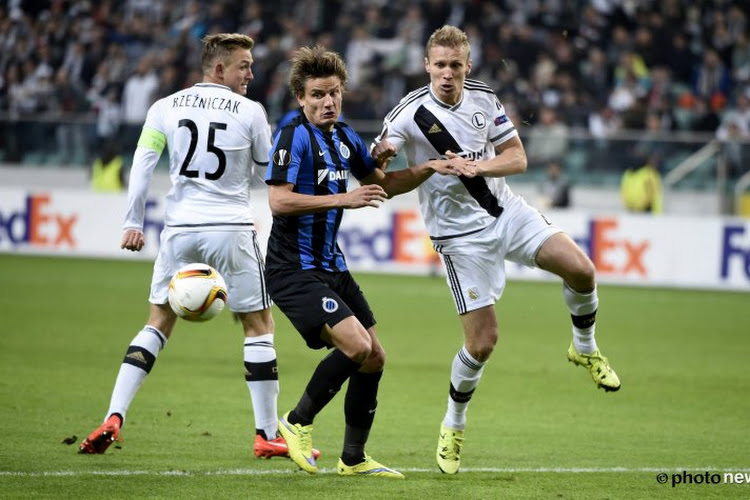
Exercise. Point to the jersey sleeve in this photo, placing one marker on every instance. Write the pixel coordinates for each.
(150, 146)
(501, 128)
(361, 162)
(261, 138)
(287, 154)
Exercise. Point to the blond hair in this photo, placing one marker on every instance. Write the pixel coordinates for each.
(448, 36)
(315, 62)
(220, 47)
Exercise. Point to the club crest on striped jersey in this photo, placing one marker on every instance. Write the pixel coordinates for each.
(344, 150)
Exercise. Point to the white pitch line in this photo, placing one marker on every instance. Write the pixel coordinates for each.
(267, 472)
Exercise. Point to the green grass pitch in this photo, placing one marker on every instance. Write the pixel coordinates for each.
(537, 426)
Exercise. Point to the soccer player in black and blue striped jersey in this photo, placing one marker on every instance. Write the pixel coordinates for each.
(311, 161)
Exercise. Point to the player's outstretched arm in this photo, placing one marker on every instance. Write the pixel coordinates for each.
(402, 181)
(284, 201)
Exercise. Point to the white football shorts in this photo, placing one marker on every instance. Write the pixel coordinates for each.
(235, 254)
(475, 264)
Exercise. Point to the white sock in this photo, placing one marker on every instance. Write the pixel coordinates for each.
(139, 359)
(465, 374)
(582, 307)
(261, 375)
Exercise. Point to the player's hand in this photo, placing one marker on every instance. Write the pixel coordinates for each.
(383, 151)
(133, 240)
(456, 165)
(369, 195)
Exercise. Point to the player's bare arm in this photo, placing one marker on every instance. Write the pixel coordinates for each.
(284, 201)
(402, 181)
(510, 160)
(133, 240)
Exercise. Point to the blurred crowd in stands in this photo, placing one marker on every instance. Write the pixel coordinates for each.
(598, 65)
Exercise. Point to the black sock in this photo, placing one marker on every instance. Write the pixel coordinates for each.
(325, 382)
(359, 408)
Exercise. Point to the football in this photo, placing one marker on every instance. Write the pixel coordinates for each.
(197, 292)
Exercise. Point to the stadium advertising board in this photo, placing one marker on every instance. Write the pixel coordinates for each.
(690, 252)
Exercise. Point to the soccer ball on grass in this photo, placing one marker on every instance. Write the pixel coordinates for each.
(197, 292)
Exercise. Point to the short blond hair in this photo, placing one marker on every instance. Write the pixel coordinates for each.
(448, 36)
(220, 46)
(315, 62)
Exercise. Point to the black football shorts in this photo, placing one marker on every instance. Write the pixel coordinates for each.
(312, 298)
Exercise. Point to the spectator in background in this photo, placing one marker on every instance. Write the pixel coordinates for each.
(137, 96)
(682, 60)
(595, 74)
(641, 189)
(107, 172)
(739, 114)
(736, 142)
(741, 58)
(554, 188)
(712, 79)
(734, 132)
(108, 116)
(69, 102)
(705, 114)
(547, 140)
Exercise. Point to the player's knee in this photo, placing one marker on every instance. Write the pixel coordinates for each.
(359, 351)
(583, 275)
(481, 349)
(375, 362)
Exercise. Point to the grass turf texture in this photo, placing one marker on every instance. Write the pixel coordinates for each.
(537, 426)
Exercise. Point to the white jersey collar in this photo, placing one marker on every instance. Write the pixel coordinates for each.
(209, 84)
(442, 104)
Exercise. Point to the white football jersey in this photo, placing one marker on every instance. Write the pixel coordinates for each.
(214, 137)
(425, 128)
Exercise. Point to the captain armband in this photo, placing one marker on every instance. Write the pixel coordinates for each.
(152, 139)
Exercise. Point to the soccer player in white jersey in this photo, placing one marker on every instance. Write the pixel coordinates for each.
(215, 136)
(476, 222)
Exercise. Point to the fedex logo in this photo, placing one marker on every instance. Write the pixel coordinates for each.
(403, 240)
(613, 255)
(732, 249)
(37, 225)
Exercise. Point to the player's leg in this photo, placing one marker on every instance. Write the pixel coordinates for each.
(237, 256)
(352, 346)
(136, 365)
(323, 319)
(476, 282)
(560, 255)
(262, 379)
(360, 404)
(142, 352)
(480, 337)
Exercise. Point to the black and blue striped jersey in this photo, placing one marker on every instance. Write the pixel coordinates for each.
(317, 163)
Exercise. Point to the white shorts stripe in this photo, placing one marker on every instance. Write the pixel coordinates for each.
(455, 285)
